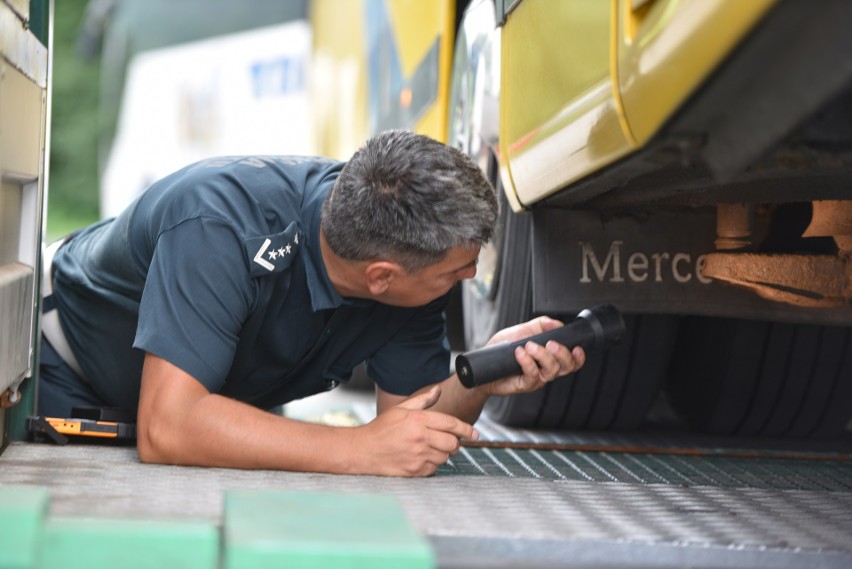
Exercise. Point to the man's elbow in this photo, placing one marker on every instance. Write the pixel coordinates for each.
(154, 444)
(148, 453)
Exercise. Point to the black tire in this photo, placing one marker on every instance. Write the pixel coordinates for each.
(510, 301)
(752, 378)
(614, 390)
(455, 320)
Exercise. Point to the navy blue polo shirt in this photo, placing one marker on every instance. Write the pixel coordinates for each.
(217, 269)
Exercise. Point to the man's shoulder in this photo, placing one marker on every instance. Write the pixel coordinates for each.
(295, 168)
(278, 182)
(238, 188)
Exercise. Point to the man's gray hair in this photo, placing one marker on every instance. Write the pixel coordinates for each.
(406, 198)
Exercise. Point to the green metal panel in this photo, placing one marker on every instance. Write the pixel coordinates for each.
(73, 543)
(22, 513)
(16, 426)
(39, 16)
(320, 530)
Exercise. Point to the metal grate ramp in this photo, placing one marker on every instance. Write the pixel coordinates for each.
(657, 468)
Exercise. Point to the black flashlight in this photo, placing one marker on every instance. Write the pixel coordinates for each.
(598, 327)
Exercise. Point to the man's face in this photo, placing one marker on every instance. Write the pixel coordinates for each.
(434, 281)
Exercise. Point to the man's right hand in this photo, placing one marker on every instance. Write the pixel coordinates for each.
(410, 440)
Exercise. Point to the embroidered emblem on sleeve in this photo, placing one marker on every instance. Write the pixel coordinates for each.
(273, 253)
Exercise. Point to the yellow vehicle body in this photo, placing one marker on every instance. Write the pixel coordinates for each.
(566, 113)
(354, 71)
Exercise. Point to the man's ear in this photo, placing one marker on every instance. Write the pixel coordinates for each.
(379, 275)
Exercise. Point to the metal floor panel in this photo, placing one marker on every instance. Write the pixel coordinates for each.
(641, 468)
(662, 436)
(491, 521)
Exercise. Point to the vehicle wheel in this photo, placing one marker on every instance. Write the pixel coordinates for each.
(507, 301)
(472, 128)
(455, 320)
(616, 388)
(500, 294)
(613, 391)
(755, 378)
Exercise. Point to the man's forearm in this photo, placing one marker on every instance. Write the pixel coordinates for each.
(217, 431)
(459, 401)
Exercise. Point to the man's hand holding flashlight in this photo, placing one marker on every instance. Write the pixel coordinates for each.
(540, 364)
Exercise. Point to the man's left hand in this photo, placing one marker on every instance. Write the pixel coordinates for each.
(540, 364)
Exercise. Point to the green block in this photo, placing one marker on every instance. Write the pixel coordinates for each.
(129, 544)
(320, 531)
(22, 513)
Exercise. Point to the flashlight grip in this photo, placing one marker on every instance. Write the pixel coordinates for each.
(598, 327)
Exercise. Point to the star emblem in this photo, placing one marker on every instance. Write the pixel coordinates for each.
(267, 257)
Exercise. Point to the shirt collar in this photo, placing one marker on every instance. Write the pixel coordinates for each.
(323, 294)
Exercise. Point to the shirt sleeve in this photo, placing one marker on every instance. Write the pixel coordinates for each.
(417, 356)
(197, 295)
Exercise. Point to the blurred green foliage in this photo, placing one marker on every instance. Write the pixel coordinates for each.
(73, 179)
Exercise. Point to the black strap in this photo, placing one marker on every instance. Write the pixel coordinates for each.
(48, 303)
(39, 425)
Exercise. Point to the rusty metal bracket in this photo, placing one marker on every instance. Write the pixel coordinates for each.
(9, 399)
(801, 280)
